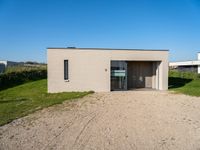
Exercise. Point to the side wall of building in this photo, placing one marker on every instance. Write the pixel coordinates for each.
(90, 69)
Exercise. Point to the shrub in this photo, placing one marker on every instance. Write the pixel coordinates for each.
(11, 79)
(184, 75)
(20, 68)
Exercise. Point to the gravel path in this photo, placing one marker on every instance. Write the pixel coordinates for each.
(115, 121)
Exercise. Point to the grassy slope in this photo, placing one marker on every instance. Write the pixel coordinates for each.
(21, 100)
(192, 88)
(184, 82)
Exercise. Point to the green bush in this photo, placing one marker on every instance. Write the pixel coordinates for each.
(11, 79)
(24, 68)
(184, 75)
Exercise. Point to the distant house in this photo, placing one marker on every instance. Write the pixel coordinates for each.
(191, 66)
(5, 63)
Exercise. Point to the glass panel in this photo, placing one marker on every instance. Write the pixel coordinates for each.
(118, 75)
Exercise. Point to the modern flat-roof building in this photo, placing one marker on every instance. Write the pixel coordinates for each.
(190, 65)
(102, 70)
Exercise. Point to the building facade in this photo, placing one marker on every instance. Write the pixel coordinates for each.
(103, 70)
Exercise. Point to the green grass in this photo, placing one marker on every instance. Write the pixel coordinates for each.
(184, 82)
(192, 88)
(24, 99)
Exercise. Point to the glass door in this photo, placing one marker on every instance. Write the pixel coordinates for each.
(118, 75)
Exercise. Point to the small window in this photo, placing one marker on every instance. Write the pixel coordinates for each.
(66, 76)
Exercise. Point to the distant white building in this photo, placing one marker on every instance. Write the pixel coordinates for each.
(193, 65)
(5, 63)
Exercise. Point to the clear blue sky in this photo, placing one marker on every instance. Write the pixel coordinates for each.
(28, 27)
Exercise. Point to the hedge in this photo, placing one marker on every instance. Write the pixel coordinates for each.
(11, 79)
(184, 75)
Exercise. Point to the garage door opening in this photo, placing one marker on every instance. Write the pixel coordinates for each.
(130, 75)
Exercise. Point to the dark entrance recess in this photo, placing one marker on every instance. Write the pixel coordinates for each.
(126, 75)
(140, 74)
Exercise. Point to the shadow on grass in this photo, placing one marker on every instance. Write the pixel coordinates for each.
(176, 82)
(13, 101)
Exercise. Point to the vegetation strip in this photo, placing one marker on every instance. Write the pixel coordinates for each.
(17, 75)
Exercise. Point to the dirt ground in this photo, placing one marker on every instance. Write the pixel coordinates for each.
(135, 120)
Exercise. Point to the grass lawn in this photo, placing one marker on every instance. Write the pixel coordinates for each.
(24, 99)
(192, 88)
(184, 82)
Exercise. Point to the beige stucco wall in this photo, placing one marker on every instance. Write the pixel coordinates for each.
(89, 69)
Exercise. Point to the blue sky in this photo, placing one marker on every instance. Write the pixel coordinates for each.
(28, 27)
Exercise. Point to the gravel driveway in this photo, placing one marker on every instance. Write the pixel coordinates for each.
(115, 121)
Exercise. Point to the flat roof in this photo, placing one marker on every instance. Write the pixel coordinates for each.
(107, 49)
(185, 63)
